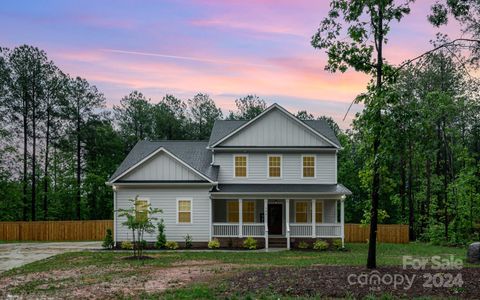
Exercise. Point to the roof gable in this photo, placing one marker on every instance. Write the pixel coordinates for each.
(161, 167)
(193, 154)
(274, 127)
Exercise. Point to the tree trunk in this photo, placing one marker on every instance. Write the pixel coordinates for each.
(403, 183)
(45, 167)
(34, 156)
(25, 157)
(411, 212)
(78, 196)
(372, 245)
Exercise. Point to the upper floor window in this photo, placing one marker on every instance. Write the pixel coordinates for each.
(184, 210)
(240, 162)
(274, 166)
(308, 166)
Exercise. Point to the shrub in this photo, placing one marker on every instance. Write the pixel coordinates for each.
(214, 244)
(320, 245)
(303, 245)
(161, 238)
(108, 242)
(188, 241)
(143, 244)
(250, 243)
(172, 245)
(337, 244)
(126, 245)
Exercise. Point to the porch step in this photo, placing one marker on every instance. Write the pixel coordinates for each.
(277, 242)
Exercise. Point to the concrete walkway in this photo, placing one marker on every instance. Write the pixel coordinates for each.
(17, 254)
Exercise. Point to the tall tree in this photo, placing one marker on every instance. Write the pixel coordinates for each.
(248, 108)
(82, 104)
(134, 117)
(367, 23)
(203, 112)
(170, 118)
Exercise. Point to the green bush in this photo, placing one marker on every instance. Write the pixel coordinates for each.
(143, 244)
(250, 243)
(320, 245)
(161, 238)
(172, 245)
(337, 244)
(214, 244)
(108, 242)
(126, 245)
(188, 241)
(303, 245)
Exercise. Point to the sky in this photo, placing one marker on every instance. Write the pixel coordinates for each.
(227, 49)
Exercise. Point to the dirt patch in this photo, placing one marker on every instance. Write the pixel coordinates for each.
(344, 281)
(110, 282)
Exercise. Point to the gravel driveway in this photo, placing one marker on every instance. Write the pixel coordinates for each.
(18, 254)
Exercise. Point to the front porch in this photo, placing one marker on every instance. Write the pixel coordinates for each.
(270, 218)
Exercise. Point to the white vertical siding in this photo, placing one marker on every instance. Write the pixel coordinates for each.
(162, 167)
(291, 168)
(166, 199)
(275, 129)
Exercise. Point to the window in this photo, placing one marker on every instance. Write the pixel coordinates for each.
(319, 211)
(141, 209)
(274, 166)
(240, 165)
(184, 209)
(248, 211)
(301, 212)
(308, 166)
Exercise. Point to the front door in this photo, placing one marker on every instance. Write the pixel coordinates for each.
(275, 218)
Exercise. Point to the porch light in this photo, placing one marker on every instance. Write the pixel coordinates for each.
(343, 197)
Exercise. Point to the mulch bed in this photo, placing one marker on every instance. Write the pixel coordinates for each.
(347, 281)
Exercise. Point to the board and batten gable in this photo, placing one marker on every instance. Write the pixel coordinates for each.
(325, 168)
(166, 200)
(274, 129)
(162, 166)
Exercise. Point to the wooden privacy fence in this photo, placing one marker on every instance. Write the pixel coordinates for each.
(91, 230)
(95, 231)
(386, 233)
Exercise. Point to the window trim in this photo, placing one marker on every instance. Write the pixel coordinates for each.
(178, 211)
(268, 166)
(234, 167)
(314, 166)
(138, 198)
(295, 211)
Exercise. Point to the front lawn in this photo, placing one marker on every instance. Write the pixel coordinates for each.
(106, 274)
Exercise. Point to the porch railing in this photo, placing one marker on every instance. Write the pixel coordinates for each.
(321, 230)
(300, 230)
(231, 229)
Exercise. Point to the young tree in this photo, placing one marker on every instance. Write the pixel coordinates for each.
(366, 24)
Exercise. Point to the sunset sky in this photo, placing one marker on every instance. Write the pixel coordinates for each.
(227, 49)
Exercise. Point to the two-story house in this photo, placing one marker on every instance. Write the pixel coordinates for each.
(273, 178)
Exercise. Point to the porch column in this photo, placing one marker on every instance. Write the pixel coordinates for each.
(287, 220)
(314, 222)
(114, 215)
(342, 219)
(240, 218)
(210, 219)
(265, 220)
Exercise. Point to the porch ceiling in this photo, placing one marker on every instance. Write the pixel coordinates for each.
(284, 189)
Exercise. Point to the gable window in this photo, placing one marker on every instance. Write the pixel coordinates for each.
(319, 211)
(248, 211)
(274, 166)
(308, 166)
(240, 162)
(301, 212)
(184, 210)
(141, 209)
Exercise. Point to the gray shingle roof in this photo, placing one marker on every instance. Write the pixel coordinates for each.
(222, 128)
(194, 153)
(334, 189)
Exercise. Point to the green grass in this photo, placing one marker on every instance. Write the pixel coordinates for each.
(387, 254)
